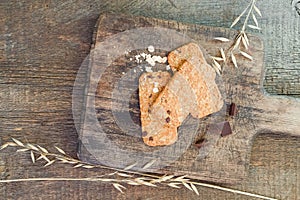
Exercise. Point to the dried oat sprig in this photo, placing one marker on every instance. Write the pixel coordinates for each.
(217, 61)
(38, 152)
(242, 37)
(118, 178)
(241, 42)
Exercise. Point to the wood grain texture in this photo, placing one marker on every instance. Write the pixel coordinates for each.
(243, 86)
(280, 31)
(42, 45)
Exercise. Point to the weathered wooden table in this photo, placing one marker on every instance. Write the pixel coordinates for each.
(42, 47)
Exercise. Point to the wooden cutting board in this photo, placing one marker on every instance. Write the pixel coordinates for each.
(109, 119)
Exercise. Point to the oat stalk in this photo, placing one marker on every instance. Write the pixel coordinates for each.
(241, 42)
(118, 178)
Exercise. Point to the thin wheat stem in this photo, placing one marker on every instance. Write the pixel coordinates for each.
(56, 179)
(248, 15)
(142, 179)
(122, 181)
(66, 157)
(232, 190)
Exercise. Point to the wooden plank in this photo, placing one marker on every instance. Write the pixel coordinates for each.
(39, 65)
(110, 145)
(275, 165)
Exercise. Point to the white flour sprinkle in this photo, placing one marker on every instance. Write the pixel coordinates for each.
(148, 69)
(137, 58)
(164, 59)
(150, 59)
(143, 55)
(151, 49)
(148, 56)
(155, 90)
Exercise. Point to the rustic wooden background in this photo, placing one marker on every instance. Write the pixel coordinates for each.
(43, 43)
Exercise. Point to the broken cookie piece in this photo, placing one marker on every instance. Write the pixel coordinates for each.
(190, 62)
(192, 89)
(166, 114)
(150, 86)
